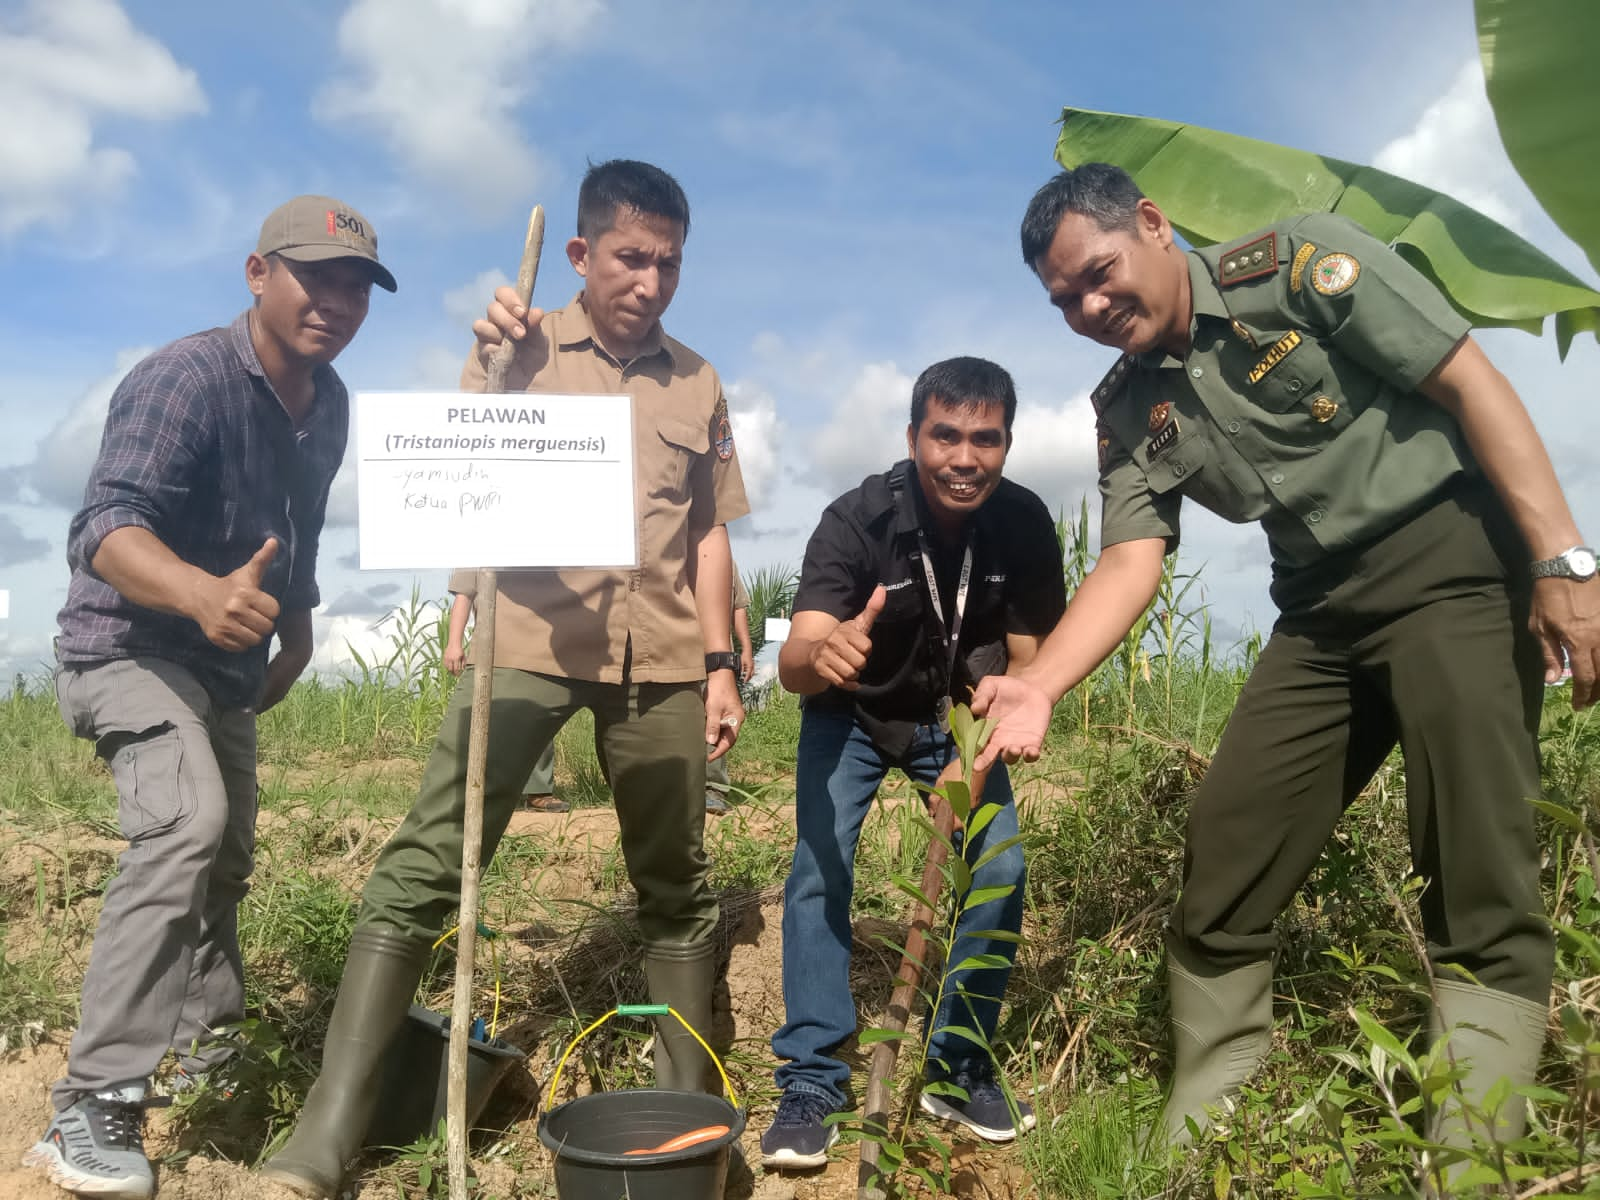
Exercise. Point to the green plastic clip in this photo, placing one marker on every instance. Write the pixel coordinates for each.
(642, 1010)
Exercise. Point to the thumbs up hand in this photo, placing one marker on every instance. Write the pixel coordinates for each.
(232, 610)
(839, 657)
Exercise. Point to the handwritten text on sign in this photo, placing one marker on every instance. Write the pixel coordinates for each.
(451, 480)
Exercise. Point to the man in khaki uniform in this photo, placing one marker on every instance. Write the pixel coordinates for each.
(539, 792)
(1308, 378)
(639, 648)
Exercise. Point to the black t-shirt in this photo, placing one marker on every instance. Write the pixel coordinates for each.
(869, 536)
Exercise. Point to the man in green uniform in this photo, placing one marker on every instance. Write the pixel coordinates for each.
(1426, 567)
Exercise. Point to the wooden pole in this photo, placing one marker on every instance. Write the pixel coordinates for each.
(477, 756)
(875, 1116)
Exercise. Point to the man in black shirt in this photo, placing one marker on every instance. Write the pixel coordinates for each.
(915, 585)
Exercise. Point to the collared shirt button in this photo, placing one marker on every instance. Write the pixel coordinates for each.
(1178, 469)
(1277, 477)
(1295, 385)
(1196, 372)
(1314, 515)
(1233, 426)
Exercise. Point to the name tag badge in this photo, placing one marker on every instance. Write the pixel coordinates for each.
(1163, 440)
(1276, 353)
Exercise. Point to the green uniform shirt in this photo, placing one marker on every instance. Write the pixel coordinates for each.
(1296, 405)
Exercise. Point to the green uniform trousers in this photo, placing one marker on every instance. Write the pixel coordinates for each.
(651, 738)
(1413, 639)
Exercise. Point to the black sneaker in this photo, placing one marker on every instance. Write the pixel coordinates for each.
(984, 1111)
(797, 1137)
(96, 1147)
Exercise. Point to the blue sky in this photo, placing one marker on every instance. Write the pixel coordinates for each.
(856, 172)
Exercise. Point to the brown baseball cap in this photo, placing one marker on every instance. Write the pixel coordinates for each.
(319, 228)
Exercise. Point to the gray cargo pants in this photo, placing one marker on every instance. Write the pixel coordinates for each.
(165, 970)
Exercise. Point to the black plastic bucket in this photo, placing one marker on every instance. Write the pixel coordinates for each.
(416, 1078)
(590, 1138)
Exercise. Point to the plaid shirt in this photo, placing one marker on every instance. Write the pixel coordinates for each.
(198, 450)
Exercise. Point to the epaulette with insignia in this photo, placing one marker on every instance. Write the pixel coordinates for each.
(1253, 259)
(1107, 390)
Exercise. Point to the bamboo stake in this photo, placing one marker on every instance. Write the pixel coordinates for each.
(477, 756)
(879, 1074)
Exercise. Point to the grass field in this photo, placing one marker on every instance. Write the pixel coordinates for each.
(1332, 1115)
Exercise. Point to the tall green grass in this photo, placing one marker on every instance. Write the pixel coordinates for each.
(1084, 1032)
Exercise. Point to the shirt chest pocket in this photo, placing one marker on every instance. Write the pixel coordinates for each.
(1299, 395)
(1182, 460)
(902, 605)
(677, 447)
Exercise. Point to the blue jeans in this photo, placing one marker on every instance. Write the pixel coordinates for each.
(837, 773)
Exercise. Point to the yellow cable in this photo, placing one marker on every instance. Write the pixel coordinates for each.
(695, 1033)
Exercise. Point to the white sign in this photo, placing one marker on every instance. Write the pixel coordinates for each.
(526, 480)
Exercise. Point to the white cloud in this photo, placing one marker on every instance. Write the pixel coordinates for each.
(377, 641)
(443, 82)
(758, 432)
(59, 472)
(1053, 451)
(1455, 148)
(17, 545)
(66, 65)
(466, 304)
(866, 431)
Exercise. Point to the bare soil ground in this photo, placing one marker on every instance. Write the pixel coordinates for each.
(35, 872)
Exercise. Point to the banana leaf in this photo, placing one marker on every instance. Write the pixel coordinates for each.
(1539, 68)
(1216, 186)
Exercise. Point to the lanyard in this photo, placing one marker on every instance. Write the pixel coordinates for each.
(950, 632)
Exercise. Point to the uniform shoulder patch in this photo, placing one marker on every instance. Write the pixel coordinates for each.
(1250, 260)
(1106, 391)
(1335, 273)
(1297, 269)
(722, 430)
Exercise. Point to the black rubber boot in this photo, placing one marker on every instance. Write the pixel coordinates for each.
(681, 975)
(1221, 1030)
(381, 973)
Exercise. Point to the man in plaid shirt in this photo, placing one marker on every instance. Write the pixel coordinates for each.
(196, 544)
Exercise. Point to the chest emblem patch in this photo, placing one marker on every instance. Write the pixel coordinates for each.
(1324, 409)
(1159, 414)
(1276, 353)
(1335, 273)
(722, 431)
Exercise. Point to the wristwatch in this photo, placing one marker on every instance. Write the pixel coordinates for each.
(727, 660)
(1577, 563)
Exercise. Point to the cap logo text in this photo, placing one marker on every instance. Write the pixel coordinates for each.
(345, 223)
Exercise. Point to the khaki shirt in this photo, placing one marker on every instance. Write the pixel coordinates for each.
(582, 624)
(1296, 405)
